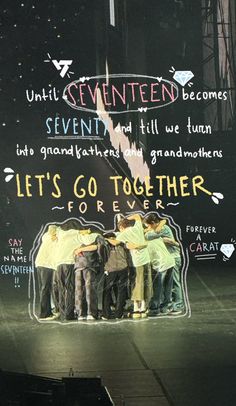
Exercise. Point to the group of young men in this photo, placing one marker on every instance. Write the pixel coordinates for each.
(134, 272)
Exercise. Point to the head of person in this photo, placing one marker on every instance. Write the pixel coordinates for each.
(124, 223)
(71, 224)
(152, 220)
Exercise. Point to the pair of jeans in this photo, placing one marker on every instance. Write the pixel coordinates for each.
(178, 301)
(162, 289)
(86, 281)
(66, 291)
(117, 281)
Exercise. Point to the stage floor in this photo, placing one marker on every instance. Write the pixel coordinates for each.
(177, 361)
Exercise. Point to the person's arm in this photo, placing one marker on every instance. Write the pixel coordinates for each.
(113, 241)
(133, 246)
(160, 225)
(170, 241)
(164, 232)
(135, 217)
(87, 248)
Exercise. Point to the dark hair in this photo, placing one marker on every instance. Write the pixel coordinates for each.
(109, 235)
(125, 223)
(70, 224)
(152, 219)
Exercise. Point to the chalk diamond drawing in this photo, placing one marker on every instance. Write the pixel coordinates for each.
(227, 249)
(183, 76)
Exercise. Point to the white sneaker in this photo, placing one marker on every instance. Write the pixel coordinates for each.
(50, 318)
(56, 314)
(90, 317)
(81, 318)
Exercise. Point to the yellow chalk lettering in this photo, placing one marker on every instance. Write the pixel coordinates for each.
(183, 185)
(160, 178)
(82, 190)
(115, 205)
(99, 206)
(70, 205)
(146, 204)
(197, 182)
(115, 179)
(92, 187)
(127, 187)
(40, 183)
(28, 185)
(131, 205)
(138, 190)
(171, 185)
(148, 186)
(56, 194)
(159, 204)
(18, 186)
(83, 207)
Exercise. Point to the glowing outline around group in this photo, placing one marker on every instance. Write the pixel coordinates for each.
(36, 243)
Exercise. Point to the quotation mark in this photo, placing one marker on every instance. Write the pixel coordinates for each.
(216, 197)
(10, 174)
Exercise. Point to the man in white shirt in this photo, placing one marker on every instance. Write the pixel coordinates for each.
(45, 264)
(134, 234)
(87, 267)
(68, 240)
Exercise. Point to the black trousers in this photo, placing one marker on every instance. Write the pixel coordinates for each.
(45, 276)
(117, 281)
(66, 291)
(86, 286)
(55, 291)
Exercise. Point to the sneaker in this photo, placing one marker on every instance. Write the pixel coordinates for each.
(175, 312)
(121, 317)
(153, 313)
(166, 310)
(81, 318)
(136, 315)
(144, 315)
(104, 318)
(90, 317)
(49, 318)
(56, 313)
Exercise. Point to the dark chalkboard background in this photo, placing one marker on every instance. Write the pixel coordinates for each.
(149, 37)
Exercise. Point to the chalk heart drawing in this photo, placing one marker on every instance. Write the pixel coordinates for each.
(130, 107)
(10, 174)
